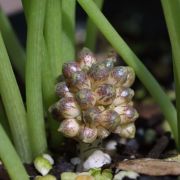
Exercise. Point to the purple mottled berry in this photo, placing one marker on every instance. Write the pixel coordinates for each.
(131, 112)
(61, 89)
(109, 119)
(105, 93)
(70, 68)
(128, 114)
(126, 130)
(119, 74)
(85, 98)
(79, 80)
(87, 135)
(86, 59)
(123, 96)
(69, 127)
(68, 107)
(100, 71)
(90, 116)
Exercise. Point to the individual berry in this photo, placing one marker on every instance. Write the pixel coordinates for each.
(70, 68)
(68, 107)
(85, 98)
(127, 114)
(79, 80)
(69, 127)
(105, 94)
(86, 59)
(126, 130)
(99, 72)
(87, 135)
(61, 89)
(118, 75)
(109, 119)
(90, 116)
(123, 95)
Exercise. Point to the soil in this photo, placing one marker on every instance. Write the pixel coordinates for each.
(151, 141)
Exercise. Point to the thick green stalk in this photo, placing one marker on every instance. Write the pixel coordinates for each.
(10, 158)
(14, 106)
(171, 12)
(36, 123)
(91, 29)
(68, 24)
(48, 84)
(53, 65)
(13, 45)
(53, 35)
(131, 59)
(48, 81)
(4, 121)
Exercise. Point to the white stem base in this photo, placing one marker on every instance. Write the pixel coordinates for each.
(86, 150)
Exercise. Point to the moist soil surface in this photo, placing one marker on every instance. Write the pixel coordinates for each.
(151, 141)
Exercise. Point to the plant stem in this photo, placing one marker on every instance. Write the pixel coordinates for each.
(86, 150)
(68, 24)
(10, 158)
(53, 35)
(36, 123)
(49, 97)
(48, 81)
(14, 106)
(13, 45)
(4, 121)
(48, 85)
(91, 29)
(131, 59)
(53, 64)
(171, 12)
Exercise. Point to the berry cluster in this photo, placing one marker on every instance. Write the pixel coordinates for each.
(95, 99)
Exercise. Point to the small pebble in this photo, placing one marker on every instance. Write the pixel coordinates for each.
(97, 159)
(111, 145)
